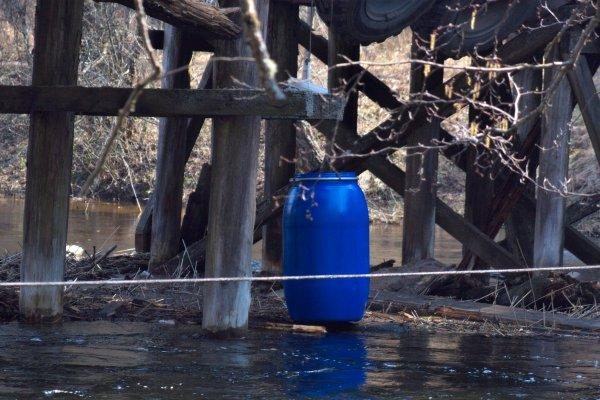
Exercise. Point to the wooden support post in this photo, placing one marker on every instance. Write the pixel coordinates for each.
(280, 135)
(232, 197)
(421, 167)
(344, 81)
(479, 188)
(170, 163)
(143, 229)
(554, 162)
(519, 227)
(49, 160)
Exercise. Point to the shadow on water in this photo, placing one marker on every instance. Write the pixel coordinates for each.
(103, 360)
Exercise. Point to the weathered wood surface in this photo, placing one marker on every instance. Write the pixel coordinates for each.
(170, 159)
(193, 15)
(474, 311)
(191, 41)
(519, 229)
(583, 87)
(232, 203)
(195, 221)
(280, 135)
(418, 238)
(552, 176)
(58, 26)
(167, 102)
(479, 188)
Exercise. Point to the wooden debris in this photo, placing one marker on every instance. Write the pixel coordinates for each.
(313, 329)
(471, 310)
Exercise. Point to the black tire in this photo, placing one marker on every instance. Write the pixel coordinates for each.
(368, 21)
(451, 20)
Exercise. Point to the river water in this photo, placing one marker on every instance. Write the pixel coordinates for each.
(103, 225)
(102, 360)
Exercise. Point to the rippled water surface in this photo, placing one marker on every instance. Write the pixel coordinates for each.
(104, 360)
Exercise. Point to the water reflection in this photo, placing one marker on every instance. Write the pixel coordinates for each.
(321, 367)
(148, 361)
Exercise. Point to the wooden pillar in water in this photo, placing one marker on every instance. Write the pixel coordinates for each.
(232, 203)
(479, 188)
(519, 228)
(421, 169)
(49, 160)
(280, 135)
(553, 171)
(170, 164)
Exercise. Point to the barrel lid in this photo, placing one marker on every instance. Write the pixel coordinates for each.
(325, 176)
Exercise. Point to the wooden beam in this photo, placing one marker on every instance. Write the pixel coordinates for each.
(191, 41)
(280, 135)
(418, 239)
(170, 159)
(196, 16)
(553, 168)
(232, 197)
(584, 89)
(167, 102)
(58, 26)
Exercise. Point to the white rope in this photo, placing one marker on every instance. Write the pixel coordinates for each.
(118, 282)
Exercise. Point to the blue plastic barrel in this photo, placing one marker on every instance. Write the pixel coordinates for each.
(326, 232)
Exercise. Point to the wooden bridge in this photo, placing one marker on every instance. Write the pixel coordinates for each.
(225, 206)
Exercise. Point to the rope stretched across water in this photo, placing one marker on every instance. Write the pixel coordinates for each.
(150, 281)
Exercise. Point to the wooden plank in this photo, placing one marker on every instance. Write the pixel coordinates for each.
(554, 160)
(168, 102)
(232, 203)
(196, 16)
(170, 159)
(191, 41)
(584, 88)
(58, 26)
(474, 311)
(519, 229)
(280, 135)
(583, 208)
(418, 239)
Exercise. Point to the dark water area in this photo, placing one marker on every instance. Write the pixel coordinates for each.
(102, 360)
(104, 224)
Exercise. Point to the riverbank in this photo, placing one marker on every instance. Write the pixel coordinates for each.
(390, 307)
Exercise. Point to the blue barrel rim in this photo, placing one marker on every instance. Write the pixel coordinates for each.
(325, 176)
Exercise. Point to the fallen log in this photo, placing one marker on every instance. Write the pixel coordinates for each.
(194, 15)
